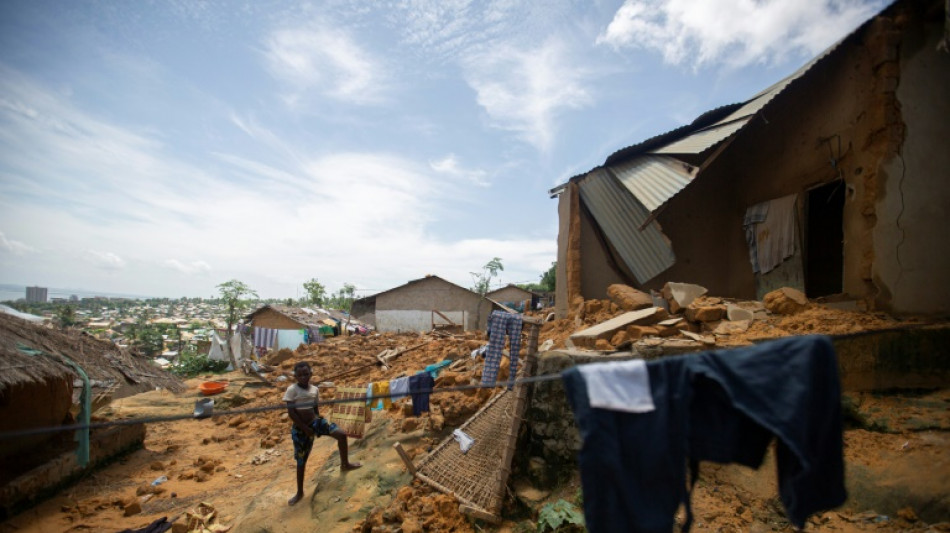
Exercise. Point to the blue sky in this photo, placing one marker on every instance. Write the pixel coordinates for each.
(163, 147)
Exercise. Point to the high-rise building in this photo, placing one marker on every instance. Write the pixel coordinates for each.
(36, 294)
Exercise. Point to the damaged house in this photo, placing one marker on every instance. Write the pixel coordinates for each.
(49, 378)
(833, 181)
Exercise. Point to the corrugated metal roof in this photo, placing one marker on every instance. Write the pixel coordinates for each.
(619, 215)
(653, 179)
(700, 141)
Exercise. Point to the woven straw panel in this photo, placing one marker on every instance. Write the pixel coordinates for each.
(351, 417)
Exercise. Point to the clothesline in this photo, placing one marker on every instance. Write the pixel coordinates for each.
(171, 418)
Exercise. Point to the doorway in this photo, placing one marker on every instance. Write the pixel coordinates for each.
(824, 239)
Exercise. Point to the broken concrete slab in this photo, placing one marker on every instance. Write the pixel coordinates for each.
(680, 295)
(587, 338)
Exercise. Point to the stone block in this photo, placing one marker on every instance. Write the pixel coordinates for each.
(785, 301)
(706, 313)
(628, 298)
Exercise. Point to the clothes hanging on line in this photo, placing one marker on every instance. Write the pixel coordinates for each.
(502, 324)
(373, 392)
(264, 337)
(722, 406)
(435, 369)
(399, 387)
(420, 400)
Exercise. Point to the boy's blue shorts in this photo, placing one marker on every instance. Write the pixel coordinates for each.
(303, 442)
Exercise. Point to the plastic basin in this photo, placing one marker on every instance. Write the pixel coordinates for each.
(209, 388)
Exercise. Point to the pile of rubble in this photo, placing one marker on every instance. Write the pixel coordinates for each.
(683, 314)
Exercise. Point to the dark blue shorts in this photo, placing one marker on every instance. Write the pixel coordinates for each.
(303, 442)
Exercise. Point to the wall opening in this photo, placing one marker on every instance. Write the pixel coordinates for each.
(824, 239)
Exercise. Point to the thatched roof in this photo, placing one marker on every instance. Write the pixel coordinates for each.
(107, 366)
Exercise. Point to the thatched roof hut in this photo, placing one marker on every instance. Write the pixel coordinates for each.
(38, 388)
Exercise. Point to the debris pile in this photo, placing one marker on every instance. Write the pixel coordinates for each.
(684, 314)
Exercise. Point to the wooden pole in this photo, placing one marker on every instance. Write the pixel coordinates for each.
(405, 458)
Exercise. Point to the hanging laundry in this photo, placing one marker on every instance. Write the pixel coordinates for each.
(500, 325)
(313, 335)
(264, 337)
(770, 232)
(723, 406)
(434, 369)
(398, 388)
(753, 216)
(380, 393)
(620, 386)
(420, 386)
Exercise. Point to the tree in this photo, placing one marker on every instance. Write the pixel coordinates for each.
(549, 278)
(235, 295)
(316, 292)
(343, 299)
(483, 279)
(66, 316)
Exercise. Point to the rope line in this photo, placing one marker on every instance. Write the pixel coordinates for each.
(230, 412)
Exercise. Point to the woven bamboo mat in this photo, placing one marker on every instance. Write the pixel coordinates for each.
(479, 477)
(351, 417)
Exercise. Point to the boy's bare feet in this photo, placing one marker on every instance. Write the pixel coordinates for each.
(350, 466)
(295, 499)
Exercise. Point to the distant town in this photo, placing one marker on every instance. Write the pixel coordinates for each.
(157, 327)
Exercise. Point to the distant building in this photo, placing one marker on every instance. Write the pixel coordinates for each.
(36, 295)
(423, 305)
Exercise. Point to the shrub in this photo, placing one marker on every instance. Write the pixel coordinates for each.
(192, 364)
(560, 516)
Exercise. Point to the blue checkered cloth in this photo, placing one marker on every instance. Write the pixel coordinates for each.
(502, 324)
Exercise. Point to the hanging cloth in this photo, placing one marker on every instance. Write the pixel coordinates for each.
(420, 386)
(398, 388)
(500, 325)
(264, 337)
(380, 392)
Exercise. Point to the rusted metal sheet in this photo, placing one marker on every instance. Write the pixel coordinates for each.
(653, 179)
(619, 214)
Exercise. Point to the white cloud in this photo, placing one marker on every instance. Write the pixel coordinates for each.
(324, 60)
(733, 32)
(195, 267)
(523, 90)
(449, 165)
(373, 219)
(14, 247)
(105, 260)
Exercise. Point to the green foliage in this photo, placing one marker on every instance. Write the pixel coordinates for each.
(316, 292)
(549, 278)
(560, 516)
(190, 364)
(65, 316)
(236, 295)
(343, 298)
(483, 279)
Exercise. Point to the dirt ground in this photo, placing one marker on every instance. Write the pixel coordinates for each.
(898, 446)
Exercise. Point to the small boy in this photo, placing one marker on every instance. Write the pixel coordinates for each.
(308, 423)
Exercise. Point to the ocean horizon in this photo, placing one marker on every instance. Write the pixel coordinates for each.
(12, 292)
